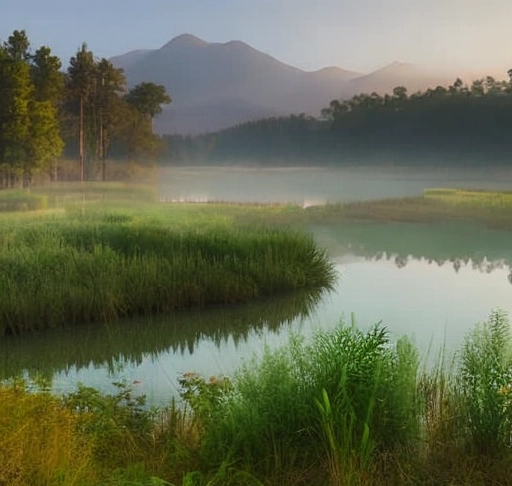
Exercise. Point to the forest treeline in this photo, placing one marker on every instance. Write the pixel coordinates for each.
(85, 113)
(459, 124)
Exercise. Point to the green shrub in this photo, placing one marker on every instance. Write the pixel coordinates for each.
(339, 401)
(485, 385)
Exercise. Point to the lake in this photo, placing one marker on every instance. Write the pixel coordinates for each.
(318, 185)
(432, 282)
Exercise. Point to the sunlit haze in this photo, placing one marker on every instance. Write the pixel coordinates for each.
(454, 35)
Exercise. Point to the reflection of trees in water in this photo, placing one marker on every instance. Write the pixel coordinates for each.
(401, 261)
(437, 243)
(107, 345)
(482, 264)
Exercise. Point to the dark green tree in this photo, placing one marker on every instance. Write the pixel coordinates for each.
(148, 98)
(47, 76)
(18, 45)
(15, 96)
(110, 84)
(81, 83)
(145, 102)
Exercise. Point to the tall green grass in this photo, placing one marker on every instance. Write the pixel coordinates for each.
(70, 268)
(348, 407)
(340, 401)
(485, 385)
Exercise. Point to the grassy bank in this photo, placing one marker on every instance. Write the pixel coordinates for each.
(89, 264)
(350, 407)
(106, 251)
(488, 208)
(58, 195)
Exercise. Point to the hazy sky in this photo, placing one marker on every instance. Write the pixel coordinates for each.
(355, 34)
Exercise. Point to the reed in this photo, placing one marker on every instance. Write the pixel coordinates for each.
(336, 403)
(346, 408)
(106, 265)
(485, 386)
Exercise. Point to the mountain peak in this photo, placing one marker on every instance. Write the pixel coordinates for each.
(398, 67)
(186, 40)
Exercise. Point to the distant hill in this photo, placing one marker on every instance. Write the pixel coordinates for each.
(383, 80)
(215, 85)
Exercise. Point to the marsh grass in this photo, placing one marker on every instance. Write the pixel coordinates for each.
(348, 407)
(488, 208)
(473, 198)
(340, 401)
(352, 408)
(485, 381)
(38, 442)
(101, 265)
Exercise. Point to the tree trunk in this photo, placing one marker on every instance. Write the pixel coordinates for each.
(81, 139)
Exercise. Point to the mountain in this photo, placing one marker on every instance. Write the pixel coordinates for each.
(125, 61)
(383, 80)
(215, 85)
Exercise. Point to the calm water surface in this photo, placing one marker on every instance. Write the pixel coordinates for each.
(431, 282)
(318, 185)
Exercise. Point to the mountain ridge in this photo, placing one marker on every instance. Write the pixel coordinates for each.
(250, 83)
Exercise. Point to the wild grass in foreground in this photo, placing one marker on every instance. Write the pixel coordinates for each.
(350, 407)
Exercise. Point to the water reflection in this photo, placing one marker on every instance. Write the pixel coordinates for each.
(483, 265)
(456, 244)
(433, 282)
(132, 341)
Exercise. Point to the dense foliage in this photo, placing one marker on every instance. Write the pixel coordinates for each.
(84, 112)
(459, 124)
(350, 407)
(90, 263)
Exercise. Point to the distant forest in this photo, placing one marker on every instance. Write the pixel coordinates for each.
(86, 114)
(455, 125)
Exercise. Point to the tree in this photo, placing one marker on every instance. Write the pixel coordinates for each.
(458, 88)
(148, 98)
(81, 75)
(145, 102)
(47, 76)
(44, 144)
(400, 93)
(110, 84)
(48, 83)
(15, 95)
(17, 46)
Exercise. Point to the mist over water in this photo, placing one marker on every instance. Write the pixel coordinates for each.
(308, 186)
(433, 282)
